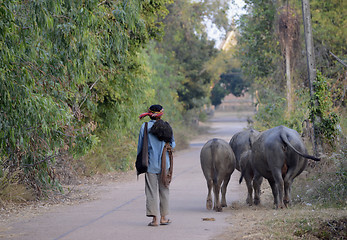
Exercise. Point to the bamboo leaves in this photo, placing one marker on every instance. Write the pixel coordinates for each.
(68, 70)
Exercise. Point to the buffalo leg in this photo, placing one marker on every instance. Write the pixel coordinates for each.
(274, 192)
(256, 185)
(209, 195)
(224, 189)
(216, 189)
(287, 189)
(279, 183)
(248, 179)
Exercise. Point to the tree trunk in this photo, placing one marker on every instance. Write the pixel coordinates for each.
(289, 80)
(311, 67)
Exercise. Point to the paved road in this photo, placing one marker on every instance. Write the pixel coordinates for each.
(120, 212)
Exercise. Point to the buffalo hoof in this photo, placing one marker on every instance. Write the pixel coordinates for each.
(278, 206)
(224, 205)
(218, 209)
(209, 204)
(256, 201)
(249, 202)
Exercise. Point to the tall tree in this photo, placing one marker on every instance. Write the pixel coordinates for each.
(258, 49)
(186, 42)
(289, 36)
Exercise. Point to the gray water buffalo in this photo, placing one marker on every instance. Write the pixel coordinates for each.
(217, 163)
(241, 143)
(279, 155)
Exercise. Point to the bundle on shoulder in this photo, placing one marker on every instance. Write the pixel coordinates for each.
(162, 130)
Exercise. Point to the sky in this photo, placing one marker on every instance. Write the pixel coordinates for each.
(234, 12)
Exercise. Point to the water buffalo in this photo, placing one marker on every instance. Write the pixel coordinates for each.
(218, 163)
(241, 143)
(279, 155)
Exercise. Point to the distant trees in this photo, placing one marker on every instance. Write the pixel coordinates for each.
(185, 42)
(227, 76)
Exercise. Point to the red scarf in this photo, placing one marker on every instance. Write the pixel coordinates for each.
(152, 113)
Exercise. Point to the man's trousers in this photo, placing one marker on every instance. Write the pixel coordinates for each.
(156, 195)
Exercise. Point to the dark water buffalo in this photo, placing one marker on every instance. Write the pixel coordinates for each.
(218, 163)
(279, 155)
(241, 143)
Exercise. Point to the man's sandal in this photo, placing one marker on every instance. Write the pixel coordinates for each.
(153, 224)
(166, 222)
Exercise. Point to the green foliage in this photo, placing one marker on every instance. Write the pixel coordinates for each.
(216, 11)
(117, 148)
(164, 81)
(261, 65)
(233, 82)
(114, 152)
(296, 118)
(327, 184)
(217, 94)
(258, 50)
(270, 111)
(226, 76)
(69, 70)
(221, 63)
(261, 61)
(329, 21)
(188, 49)
(230, 82)
(322, 111)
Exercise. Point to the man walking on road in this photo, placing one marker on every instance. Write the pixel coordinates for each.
(160, 141)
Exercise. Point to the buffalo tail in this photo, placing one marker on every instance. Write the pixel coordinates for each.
(286, 141)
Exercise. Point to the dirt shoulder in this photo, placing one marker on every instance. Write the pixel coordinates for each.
(296, 222)
(83, 190)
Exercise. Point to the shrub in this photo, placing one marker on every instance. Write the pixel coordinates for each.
(326, 183)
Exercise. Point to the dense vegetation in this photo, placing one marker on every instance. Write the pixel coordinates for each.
(271, 34)
(74, 76)
(69, 72)
(263, 61)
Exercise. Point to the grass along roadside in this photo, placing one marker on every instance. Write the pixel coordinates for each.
(298, 221)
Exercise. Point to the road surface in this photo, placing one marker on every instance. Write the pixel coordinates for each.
(119, 213)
